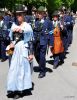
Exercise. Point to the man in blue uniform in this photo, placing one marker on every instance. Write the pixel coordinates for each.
(69, 26)
(41, 33)
(7, 19)
(28, 16)
(3, 38)
(63, 30)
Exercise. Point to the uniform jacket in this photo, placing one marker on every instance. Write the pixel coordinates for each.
(44, 32)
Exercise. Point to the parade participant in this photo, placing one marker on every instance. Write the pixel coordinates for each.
(7, 19)
(34, 17)
(72, 25)
(31, 17)
(69, 26)
(63, 30)
(19, 75)
(34, 11)
(1, 27)
(41, 33)
(3, 39)
(28, 16)
(58, 48)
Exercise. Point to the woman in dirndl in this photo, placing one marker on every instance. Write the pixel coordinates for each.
(19, 75)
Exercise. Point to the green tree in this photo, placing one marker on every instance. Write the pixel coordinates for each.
(68, 3)
(74, 5)
(53, 5)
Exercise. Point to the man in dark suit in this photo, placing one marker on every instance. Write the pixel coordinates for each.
(42, 33)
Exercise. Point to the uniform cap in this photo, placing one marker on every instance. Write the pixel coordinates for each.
(55, 14)
(42, 9)
(20, 9)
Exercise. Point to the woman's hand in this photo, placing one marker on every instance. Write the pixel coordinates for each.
(30, 58)
(18, 30)
(50, 47)
(11, 45)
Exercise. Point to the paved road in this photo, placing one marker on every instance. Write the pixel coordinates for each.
(59, 84)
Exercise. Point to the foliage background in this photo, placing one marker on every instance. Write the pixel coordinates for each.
(51, 5)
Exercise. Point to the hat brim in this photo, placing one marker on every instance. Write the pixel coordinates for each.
(41, 11)
(20, 12)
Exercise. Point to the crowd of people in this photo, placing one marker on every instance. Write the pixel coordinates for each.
(23, 37)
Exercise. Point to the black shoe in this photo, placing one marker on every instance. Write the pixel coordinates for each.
(10, 94)
(55, 66)
(27, 92)
(2, 60)
(62, 61)
(17, 96)
(42, 74)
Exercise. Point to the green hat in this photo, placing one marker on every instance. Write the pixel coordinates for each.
(55, 14)
(42, 9)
